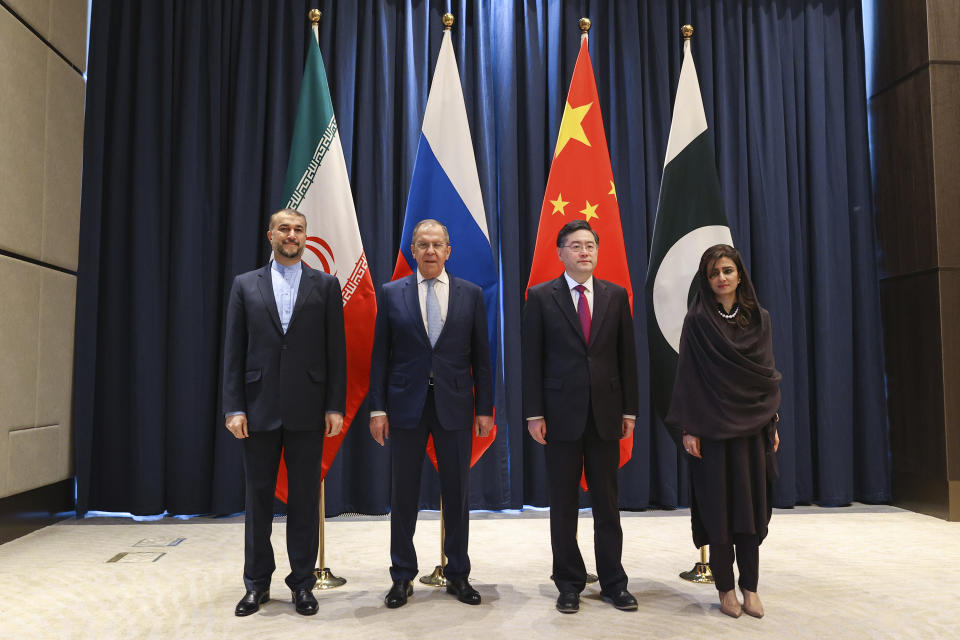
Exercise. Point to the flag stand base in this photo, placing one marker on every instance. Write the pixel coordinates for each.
(701, 574)
(435, 579)
(326, 580)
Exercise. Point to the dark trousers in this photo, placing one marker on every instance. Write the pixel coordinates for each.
(748, 562)
(453, 449)
(599, 459)
(302, 451)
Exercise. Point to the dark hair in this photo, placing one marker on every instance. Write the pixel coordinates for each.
(285, 212)
(575, 225)
(746, 297)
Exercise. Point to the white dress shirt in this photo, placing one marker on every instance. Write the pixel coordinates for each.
(588, 291)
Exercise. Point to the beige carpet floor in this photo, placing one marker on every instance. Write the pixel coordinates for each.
(857, 572)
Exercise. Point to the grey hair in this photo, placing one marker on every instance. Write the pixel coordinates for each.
(429, 222)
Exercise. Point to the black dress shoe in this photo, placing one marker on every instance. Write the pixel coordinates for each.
(568, 602)
(250, 603)
(621, 600)
(398, 594)
(304, 601)
(461, 588)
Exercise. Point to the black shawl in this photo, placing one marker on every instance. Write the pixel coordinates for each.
(727, 384)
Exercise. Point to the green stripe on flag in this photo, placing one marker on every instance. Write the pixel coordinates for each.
(306, 180)
(314, 129)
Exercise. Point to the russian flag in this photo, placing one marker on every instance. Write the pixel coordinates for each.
(446, 187)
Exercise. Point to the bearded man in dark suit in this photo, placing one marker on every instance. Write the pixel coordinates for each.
(284, 386)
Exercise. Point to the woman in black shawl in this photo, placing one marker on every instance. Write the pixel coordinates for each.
(725, 401)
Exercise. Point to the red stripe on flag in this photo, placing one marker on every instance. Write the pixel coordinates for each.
(359, 316)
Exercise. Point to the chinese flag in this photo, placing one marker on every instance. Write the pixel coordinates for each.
(580, 187)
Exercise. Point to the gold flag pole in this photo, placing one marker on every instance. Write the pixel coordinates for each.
(584, 24)
(325, 578)
(438, 578)
(701, 572)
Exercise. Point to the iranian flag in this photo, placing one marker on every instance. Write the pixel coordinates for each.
(690, 220)
(580, 187)
(318, 186)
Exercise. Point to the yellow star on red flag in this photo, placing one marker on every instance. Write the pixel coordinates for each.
(613, 190)
(559, 204)
(590, 211)
(571, 126)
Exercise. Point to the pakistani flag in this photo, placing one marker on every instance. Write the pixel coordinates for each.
(689, 220)
(318, 186)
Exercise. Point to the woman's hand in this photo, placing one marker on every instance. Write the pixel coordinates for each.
(776, 439)
(692, 445)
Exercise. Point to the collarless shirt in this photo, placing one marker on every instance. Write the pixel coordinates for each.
(441, 286)
(286, 283)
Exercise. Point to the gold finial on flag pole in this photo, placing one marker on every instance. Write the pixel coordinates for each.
(686, 31)
(447, 21)
(584, 25)
(315, 15)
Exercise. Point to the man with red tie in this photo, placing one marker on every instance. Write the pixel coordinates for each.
(580, 399)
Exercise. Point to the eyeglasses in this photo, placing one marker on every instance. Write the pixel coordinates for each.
(436, 246)
(577, 247)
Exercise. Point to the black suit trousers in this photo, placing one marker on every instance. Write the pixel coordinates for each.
(453, 448)
(302, 452)
(599, 460)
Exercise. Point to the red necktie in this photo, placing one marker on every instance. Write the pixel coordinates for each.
(583, 310)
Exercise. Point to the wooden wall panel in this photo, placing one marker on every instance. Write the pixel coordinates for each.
(903, 162)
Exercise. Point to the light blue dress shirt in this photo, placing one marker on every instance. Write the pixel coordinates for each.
(286, 282)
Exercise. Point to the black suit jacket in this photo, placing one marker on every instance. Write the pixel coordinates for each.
(563, 376)
(403, 358)
(289, 379)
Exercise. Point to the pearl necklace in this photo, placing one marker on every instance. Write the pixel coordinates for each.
(732, 314)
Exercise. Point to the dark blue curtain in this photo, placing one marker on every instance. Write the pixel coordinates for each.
(190, 109)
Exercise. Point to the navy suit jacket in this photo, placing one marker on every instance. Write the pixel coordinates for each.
(294, 378)
(563, 375)
(403, 358)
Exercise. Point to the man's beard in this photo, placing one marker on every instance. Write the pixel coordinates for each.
(290, 251)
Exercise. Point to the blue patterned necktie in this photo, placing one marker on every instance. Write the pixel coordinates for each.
(434, 323)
